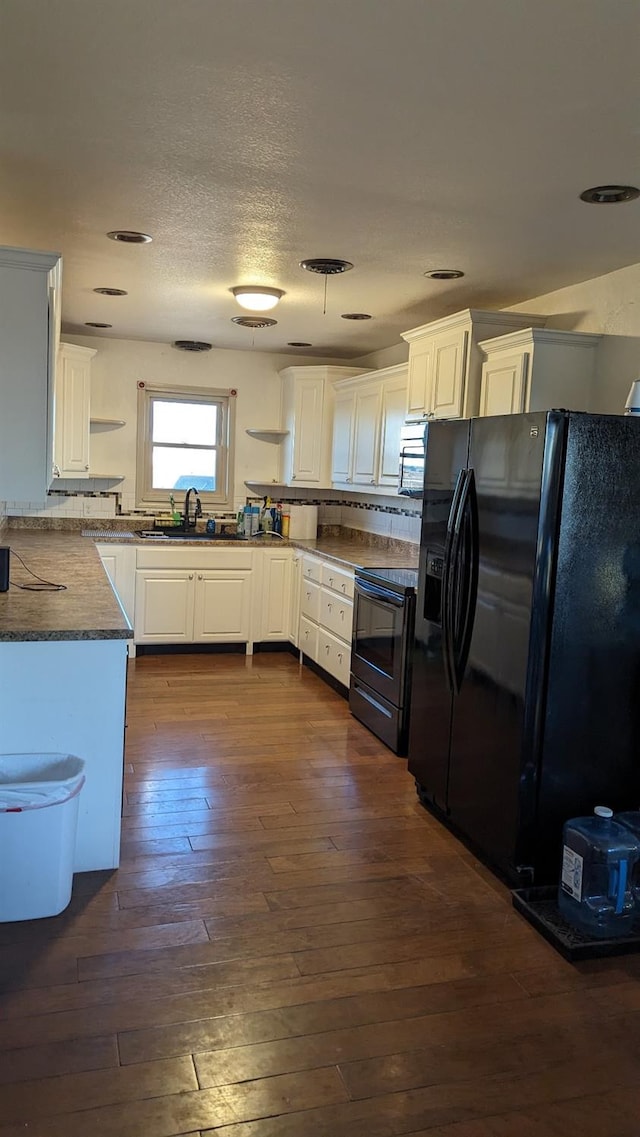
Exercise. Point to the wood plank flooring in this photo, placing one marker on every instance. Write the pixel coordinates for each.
(292, 947)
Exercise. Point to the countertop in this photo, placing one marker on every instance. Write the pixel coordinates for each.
(88, 609)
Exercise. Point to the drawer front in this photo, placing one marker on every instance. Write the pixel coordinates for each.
(336, 614)
(334, 656)
(338, 579)
(312, 569)
(308, 638)
(195, 557)
(310, 600)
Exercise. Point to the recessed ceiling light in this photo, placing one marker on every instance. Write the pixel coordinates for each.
(111, 291)
(299, 343)
(609, 195)
(326, 266)
(257, 299)
(356, 316)
(444, 274)
(129, 236)
(95, 324)
(253, 321)
(192, 345)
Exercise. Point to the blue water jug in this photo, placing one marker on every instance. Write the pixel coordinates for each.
(631, 821)
(599, 859)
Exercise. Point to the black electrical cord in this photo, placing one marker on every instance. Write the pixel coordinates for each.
(41, 586)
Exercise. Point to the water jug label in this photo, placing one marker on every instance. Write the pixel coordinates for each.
(572, 864)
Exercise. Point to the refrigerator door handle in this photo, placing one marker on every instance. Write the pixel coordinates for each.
(468, 506)
(447, 582)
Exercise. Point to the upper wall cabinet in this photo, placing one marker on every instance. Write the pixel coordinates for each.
(445, 361)
(537, 369)
(71, 409)
(369, 412)
(29, 335)
(307, 413)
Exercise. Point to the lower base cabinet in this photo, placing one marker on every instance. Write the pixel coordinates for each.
(326, 616)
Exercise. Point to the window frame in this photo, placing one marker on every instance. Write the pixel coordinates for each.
(146, 496)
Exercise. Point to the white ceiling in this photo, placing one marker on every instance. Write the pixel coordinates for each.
(245, 135)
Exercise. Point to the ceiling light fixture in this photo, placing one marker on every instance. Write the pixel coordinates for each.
(95, 324)
(444, 274)
(356, 316)
(253, 321)
(609, 195)
(257, 299)
(111, 291)
(192, 345)
(129, 237)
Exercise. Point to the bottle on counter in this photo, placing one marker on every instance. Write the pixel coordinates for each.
(266, 520)
(286, 520)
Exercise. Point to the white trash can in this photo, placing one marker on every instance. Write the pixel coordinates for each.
(39, 795)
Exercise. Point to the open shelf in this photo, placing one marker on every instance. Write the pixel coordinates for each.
(95, 421)
(267, 435)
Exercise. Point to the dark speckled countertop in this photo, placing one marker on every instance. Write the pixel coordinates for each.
(88, 609)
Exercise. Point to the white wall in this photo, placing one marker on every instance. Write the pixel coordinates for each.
(121, 364)
(609, 304)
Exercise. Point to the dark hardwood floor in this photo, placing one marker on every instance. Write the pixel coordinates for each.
(292, 947)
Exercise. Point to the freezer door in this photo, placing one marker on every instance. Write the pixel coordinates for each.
(494, 563)
(447, 445)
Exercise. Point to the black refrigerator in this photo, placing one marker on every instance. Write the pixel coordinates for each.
(525, 696)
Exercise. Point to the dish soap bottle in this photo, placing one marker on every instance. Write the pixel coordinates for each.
(266, 519)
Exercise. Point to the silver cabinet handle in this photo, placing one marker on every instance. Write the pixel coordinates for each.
(372, 481)
(326, 648)
(331, 580)
(344, 587)
(342, 613)
(199, 576)
(190, 576)
(87, 466)
(293, 477)
(348, 479)
(329, 607)
(340, 656)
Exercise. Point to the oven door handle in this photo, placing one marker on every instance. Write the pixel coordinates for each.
(374, 592)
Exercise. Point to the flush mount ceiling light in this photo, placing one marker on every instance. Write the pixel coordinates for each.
(444, 274)
(111, 291)
(192, 345)
(129, 236)
(356, 316)
(95, 324)
(253, 321)
(326, 266)
(257, 299)
(299, 343)
(609, 195)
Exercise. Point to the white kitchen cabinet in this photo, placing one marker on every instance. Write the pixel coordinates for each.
(119, 563)
(445, 361)
(307, 414)
(71, 411)
(369, 413)
(194, 595)
(275, 608)
(294, 597)
(29, 333)
(326, 616)
(536, 369)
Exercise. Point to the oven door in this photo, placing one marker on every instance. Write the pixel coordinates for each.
(378, 649)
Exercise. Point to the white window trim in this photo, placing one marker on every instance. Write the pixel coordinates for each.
(148, 497)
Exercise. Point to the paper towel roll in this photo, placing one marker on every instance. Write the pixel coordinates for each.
(303, 525)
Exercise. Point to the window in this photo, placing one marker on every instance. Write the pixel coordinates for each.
(185, 438)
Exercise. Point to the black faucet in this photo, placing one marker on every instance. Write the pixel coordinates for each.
(198, 512)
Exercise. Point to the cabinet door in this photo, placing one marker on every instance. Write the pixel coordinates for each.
(394, 395)
(449, 368)
(164, 606)
(308, 637)
(504, 384)
(307, 442)
(276, 594)
(294, 606)
(342, 436)
(71, 411)
(222, 606)
(419, 382)
(334, 656)
(366, 436)
(336, 614)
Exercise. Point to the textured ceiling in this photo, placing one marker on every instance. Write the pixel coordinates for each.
(245, 135)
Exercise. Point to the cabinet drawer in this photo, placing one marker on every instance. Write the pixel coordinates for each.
(308, 638)
(334, 656)
(312, 569)
(310, 600)
(194, 557)
(336, 614)
(339, 580)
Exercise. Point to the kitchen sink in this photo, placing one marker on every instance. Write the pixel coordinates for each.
(177, 534)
